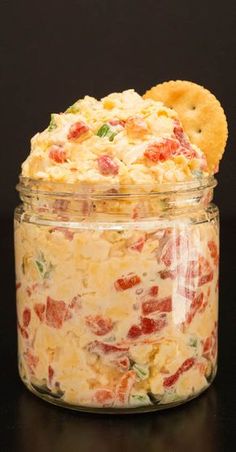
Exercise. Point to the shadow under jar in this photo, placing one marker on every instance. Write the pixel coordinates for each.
(117, 294)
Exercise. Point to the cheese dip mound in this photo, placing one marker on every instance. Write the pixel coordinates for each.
(120, 140)
(117, 289)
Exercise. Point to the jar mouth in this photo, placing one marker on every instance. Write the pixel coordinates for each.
(44, 187)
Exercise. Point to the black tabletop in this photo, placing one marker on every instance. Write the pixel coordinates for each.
(205, 424)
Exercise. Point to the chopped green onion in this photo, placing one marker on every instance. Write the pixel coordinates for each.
(40, 267)
(142, 372)
(104, 130)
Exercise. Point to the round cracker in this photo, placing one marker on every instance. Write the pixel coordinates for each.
(201, 114)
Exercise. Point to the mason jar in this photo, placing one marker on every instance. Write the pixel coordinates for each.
(117, 293)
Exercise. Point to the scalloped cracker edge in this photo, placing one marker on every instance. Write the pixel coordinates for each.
(201, 114)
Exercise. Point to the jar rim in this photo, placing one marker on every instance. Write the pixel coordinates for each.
(63, 189)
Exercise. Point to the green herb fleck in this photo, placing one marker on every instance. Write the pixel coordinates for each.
(40, 267)
(45, 268)
(52, 124)
(193, 342)
(104, 130)
(142, 372)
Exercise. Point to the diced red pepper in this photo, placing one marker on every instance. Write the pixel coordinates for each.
(104, 397)
(69, 235)
(204, 266)
(159, 152)
(50, 374)
(123, 363)
(170, 381)
(57, 154)
(31, 360)
(39, 309)
(195, 306)
(174, 249)
(124, 387)
(26, 317)
(18, 285)
(164, 274)
(77, 130)
(127, 282)
(23, 331)
(162, 305)
(55, 312)
(214, 251)
(99, 325)
(134, 332)
(153, 291)
(117, 122)
(150, 326)
(138, 246)
(107, 166)
(205, 279)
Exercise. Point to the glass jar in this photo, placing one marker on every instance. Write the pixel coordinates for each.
(117, 294)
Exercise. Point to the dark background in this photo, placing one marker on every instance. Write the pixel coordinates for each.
(52, 53)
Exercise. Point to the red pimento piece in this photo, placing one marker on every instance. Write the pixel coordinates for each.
(163, 305)
(26, 317)
(150, 326)
(153, 291)
(174, 249)
(180, 135)
(123, 363)
(77, 129)
(50, 374)
(18, 285)
(99, 325)
(124, 387)
(214, 251)
(55, 312)
(205, 279)
(23, 331)
(138, 246)
(57, 154)
(204, 266)
(39, 309)
(31, 360)
(170, 381)
(164, 274)
(117, 122)
(194, 307)
(159, 152)
(127, 282)
(134, 332)
(69, 235)
(107, 166)
(104, 397)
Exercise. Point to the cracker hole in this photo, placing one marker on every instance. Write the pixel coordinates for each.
(199, 131)
(193, 107)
